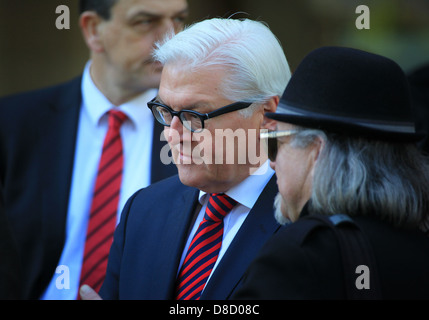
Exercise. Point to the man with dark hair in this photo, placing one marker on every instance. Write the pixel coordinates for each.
(102, 8)
(71, 155)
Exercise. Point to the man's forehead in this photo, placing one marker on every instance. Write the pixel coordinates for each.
(182, 88)
(151, 7)
(177, 103)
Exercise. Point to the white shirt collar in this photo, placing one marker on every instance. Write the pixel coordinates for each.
(96, 104)
(248, 191)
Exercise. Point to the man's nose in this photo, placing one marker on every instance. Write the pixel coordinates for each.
(175, 131)
(176, 124)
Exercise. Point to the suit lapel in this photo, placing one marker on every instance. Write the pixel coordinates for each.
(258, 227)
(173, 243)
(57, 155)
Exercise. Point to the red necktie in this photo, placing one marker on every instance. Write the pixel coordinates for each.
(102, 219)
(204, 249)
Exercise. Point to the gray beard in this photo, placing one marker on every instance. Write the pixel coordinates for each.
(278, 215)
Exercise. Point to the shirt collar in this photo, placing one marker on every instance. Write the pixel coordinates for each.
(96, 104)
(247, 192)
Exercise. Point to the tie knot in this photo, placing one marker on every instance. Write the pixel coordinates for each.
(116, 118)
(218, 207)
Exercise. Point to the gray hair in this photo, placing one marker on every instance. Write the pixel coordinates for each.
(360, 176)
(251, 54)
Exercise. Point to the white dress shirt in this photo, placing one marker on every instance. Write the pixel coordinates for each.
(246, 194)
(136, 134)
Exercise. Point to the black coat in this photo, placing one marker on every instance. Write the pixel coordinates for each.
(285, 269)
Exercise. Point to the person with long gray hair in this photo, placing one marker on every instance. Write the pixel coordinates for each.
(344, 149)
(343, 178)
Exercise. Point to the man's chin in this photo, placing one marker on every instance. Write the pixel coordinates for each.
(188, 175)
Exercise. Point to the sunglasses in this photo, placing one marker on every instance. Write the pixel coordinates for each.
(273, 143)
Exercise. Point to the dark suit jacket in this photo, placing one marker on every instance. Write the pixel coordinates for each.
(37, 143)
(10, 270)
(151, 237)
(286, 270)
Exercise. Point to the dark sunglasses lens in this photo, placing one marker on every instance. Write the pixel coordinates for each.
(272, 149)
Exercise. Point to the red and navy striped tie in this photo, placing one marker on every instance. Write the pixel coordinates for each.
(104, 207)
(204, 249)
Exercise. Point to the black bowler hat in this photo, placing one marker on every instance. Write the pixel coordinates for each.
(351, 92)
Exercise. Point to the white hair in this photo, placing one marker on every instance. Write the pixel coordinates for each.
(251, 54)
(368, 177)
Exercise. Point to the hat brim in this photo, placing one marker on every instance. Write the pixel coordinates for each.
(371, 129)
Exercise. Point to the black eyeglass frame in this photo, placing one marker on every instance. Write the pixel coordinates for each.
(273, 141)
(202, 116)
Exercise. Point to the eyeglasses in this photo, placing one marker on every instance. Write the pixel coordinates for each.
(273, 141)
(191, 120)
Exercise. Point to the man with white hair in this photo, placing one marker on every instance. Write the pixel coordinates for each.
(192, 236)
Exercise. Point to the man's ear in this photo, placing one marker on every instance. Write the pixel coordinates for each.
(318, 145)
(270, 106)
(89, 23)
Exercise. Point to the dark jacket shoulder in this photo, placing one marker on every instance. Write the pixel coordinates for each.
(24, 109)
(161, 194)
(41, 95)
(290, 267)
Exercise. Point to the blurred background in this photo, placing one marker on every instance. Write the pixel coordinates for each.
(34, 53)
